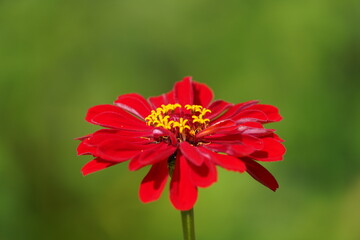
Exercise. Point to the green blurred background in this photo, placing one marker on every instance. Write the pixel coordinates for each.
(58, 58)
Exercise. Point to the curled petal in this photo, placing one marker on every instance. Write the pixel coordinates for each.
(261, 174)
(154, 182)
(135, 104)
(183, 192)
(96, 165)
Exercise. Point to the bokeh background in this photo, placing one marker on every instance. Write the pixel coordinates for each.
(60, 57)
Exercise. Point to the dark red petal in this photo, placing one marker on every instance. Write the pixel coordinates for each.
(135, 104)
(272, 151)
(184, 92)
(154, 182)
(204, 175)
(191, 153)
(156, 153)
(203, 95)
(271, 112)
(235, 110)
(183, 192)
(117, 150)
(118, 121)
(96, 165)
(217, 108)
(260, 174)
(223, 160)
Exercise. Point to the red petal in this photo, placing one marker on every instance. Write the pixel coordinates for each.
(154, 182)
(242, 146)
(236, 139)
(191, 153)
(183, 193)
(93, 111)
(260, 174)
(237, 150)
(204, 175)
(162, 99)
(158, 152)
(123, 136)
(117, 150)
(276, 137)
(250, 116)
(96, 165)
(272, 151)
(235, 110)
(84, 149)
(217, 108)
(271, 112)
(255, 129)
(183, 91)
(135, 104)
(227, 125)
(223, 160)
(114, 117)
(117, 121)
(202, 94)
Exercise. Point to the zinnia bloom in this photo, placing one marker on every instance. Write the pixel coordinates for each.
(183, 133)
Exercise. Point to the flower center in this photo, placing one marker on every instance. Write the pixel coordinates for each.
(182, 121)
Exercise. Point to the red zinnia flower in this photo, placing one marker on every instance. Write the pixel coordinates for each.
(185, 133)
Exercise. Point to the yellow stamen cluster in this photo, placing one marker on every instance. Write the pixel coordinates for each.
(164, 117)
(201, 110)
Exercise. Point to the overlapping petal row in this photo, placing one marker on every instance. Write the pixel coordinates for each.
(165, 132)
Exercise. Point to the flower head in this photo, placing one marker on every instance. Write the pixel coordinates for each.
(184, 133)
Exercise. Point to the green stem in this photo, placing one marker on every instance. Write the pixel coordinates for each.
(187, 218)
